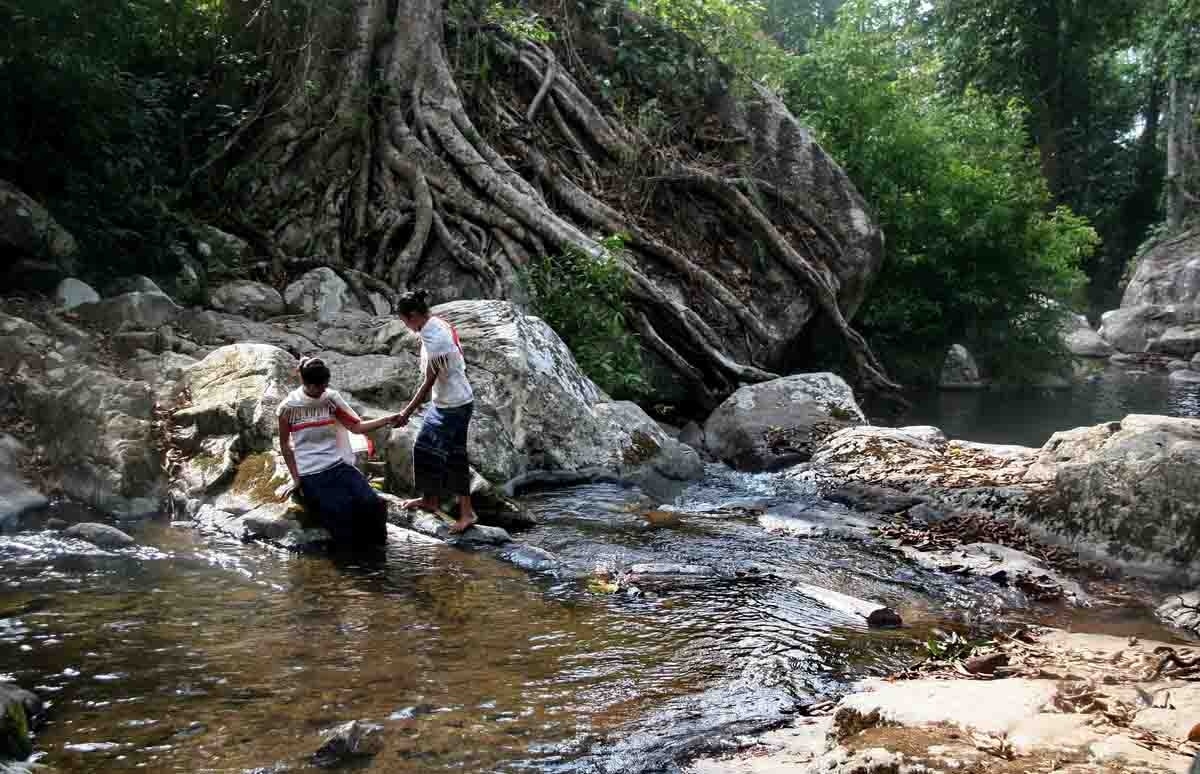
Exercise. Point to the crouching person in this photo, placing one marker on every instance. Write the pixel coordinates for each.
(314, 427)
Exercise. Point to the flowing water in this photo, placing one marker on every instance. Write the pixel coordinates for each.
(192, 653)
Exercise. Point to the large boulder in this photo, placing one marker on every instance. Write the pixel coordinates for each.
(210, 328)
(1135, 328)
(960, 371)
(16, 496)
(1178, 340)
(777, 423)
(71, 292)
(138, 311)
(96, 427)
(1169, 273)
(33, 246)
(320, 293)
(221, 249)
(248, 299)
(1130, 489)
(1081, 340)
(535, 410)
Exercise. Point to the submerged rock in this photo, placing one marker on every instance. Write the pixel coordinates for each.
(100, 535)
(530, 558)
(343, 744)
(19, 709)
(781, 422)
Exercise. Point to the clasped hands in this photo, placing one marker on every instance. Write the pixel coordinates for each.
(398, 420)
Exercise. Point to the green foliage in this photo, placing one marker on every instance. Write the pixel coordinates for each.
(973, 250)
(518, 23)
(583, 298)
(100, 101)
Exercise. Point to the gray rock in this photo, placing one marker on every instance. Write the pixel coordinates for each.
(809, 521)
(248, 299)
(71, 292)
(1132, 329)
(530, 558)
(1169, 273)
(1130, 489)
(777, 423)
(1181, 611)
(16, 496)
(534, 408)
(381, 380)
(344, 744)
(320, 294)
(28, 231)
(101, 535)
(130, 311)
(478, 535)
(1081, 340)
(1185, 376)
(692, 434)
(95, 427)
(19, 711)
(136, 283)
(1178, 365)
(221, 248)
(960, 371)
(1177, 340)
(218, 328)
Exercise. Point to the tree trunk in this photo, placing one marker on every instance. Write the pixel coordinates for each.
(1183, 154)
(385, 159)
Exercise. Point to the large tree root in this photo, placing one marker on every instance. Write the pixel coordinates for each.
(485, 186)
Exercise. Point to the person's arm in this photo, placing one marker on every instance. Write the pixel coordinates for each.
(285, 448)
(421, 395)
(355, 424)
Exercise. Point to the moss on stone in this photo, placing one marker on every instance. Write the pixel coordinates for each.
(14, 732)
(643, 448)
(256, 478)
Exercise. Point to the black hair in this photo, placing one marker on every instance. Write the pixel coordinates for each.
(314, 371)
(413, 302)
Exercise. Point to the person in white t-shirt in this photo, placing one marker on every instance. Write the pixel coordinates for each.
(440, 464)
(314, 427)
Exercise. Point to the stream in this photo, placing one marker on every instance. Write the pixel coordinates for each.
(195, 653)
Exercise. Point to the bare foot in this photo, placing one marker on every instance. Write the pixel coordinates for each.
(418, 504)
(464, 523)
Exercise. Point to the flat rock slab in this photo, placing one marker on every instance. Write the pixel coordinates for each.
(477, 535)
(1181, 611)
(1004, 565)
(809, 521)
(100, 535)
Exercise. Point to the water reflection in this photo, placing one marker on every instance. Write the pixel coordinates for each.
(1030, 417)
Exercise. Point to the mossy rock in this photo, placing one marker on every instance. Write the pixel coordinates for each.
(15, 742)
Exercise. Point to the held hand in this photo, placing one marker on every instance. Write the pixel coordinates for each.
(400, 420)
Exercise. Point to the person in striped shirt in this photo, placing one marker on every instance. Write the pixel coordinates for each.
(314, 426)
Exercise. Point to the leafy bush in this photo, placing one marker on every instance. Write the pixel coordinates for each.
(974, 248)
(583, 298)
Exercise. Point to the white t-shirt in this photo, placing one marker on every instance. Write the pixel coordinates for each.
(319, 439)
(440, 348)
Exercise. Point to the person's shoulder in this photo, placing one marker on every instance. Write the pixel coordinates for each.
(335, 396)
(291, 400)
(436, 334)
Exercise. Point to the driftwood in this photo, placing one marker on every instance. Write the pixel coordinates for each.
(875, 614)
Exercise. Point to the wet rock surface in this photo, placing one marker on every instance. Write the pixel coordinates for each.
(779, 423)
(100, 535)
(19, 711)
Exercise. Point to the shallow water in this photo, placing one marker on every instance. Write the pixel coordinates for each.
(1030, 416)
(197, 654)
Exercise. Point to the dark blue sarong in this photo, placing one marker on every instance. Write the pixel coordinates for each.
(346, 505)
(440, 464)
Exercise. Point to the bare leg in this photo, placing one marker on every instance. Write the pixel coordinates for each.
(431, 504)
(466, 515)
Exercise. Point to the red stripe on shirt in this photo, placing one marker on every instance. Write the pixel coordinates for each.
(318, 423)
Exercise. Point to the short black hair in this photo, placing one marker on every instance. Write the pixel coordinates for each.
(314, 371)
(413, 302)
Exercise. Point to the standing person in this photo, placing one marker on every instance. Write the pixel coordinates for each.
(440, 464)
(314, 422)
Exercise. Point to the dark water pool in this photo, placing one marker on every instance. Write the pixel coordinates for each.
(1030, 416)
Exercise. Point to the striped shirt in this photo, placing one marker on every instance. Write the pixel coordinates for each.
(442, 352)
(319, 439)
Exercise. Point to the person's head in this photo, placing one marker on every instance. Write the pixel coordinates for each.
(314, 374)
(413, 308)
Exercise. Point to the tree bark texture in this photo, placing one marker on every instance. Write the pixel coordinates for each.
(1183, 154)
(418, 150)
